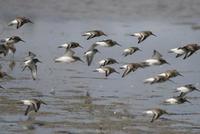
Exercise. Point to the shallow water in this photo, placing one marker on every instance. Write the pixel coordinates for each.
(115, 104)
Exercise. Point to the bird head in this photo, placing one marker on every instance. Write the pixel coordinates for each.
(16, 38)
(36, 60)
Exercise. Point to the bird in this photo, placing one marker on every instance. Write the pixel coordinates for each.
(170, 73)
(106, 70)
(9, 43)
(186, 50)
(106, 43)
(190, 49)
(156, 112)
(162, 77)
(12, 40)
(90, 55)
(130, 51)
(68, 57)
(178, 51)
(107, 61)
(176, 100)
(142, 35)
(70, 45)
(156, 79)
(33, 104)
(186, 89)
(156, 59)
(93, 33)
(31, 62)
(131, 67)
(19, 21)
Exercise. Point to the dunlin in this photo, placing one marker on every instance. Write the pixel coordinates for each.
(156, 113)
(19, 21)
(107, 43)
(93, 33)
(106, 70)
(178, 51)
(188, 50)
(170, 73)
(130, 51)
(156, 79)
(90, 55)
(162, 77)
(131, 67)
(31, 64)
(68, 57)
(12, 40)
(191, 49)
(107, 61)
(176, 100)
(33, 104)
(9, 43)
(186, 89)
(70, 45)
(156, 59)
(142, 35)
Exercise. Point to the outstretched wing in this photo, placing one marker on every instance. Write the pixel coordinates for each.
(33, 69)
(69, 52)
(141, 38)
(126, 72)
(156, 55)
(89, 59)
(27, 110)
(188, 55)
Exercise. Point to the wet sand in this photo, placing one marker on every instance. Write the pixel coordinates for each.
(115, 105)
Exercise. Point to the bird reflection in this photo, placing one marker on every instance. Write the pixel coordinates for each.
(88, 98)
(12, 64)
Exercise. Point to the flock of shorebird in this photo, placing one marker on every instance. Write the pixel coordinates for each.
(7, 46)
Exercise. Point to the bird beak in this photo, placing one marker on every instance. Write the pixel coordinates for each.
(40, 61)
(81, 61)
(168, 63)
(22, 40)
(197, 89)
(95, 71)
(180, 74)
(188, 101)
(121, 67)
(43, 102)
(118, 44)
(153, 35)
(130, 34)
(59, 46)
(31, 22)
(99, 52)
(80, 46)
(117, 72)
(139, 49)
